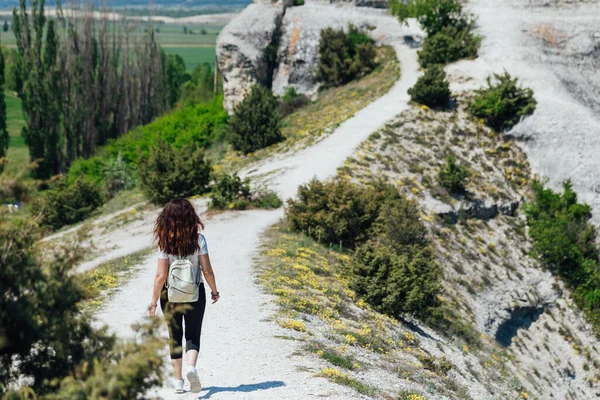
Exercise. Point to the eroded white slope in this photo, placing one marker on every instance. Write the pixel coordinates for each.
(545, 47)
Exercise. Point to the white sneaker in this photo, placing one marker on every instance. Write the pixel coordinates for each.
(179, 386)
(192, 376)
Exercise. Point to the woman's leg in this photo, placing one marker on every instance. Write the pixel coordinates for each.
(177, 368)
(174, 319)
(193, 327)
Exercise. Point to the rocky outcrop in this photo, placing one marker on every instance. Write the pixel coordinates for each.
(241, 50)
(363, 3)
(242, 45)
(478, 209)
(512, 303)
(299, 49)
(298, 53)
(372, 3)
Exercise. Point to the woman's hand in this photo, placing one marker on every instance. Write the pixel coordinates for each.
(159, 282)
(209, 276)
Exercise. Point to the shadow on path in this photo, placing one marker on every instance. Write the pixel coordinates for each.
(241, 388)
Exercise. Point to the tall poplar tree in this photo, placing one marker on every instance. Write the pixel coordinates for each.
(81, 86)
(34, 92)
(3, 130)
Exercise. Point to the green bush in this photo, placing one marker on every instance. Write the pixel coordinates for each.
(396, 283)
(343, 56)
(291, 101)
(338, 211)
(440, 366)
(447, 320)
(393, 267)
(118, 176)
(44, 327)
(565, 242)
(402, 224)
(169, 173)
(504, 103)
(432, 89)
(67, 203)
(266, 199)
(298, 2)
(230, 192)
(453, 176)
(15, 189)
(202, 124)
(448, 28)
(398, 275)
(255, 123)
(200, 88)
(432, 15)
(449, 45)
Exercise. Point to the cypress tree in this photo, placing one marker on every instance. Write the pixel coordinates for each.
(33, 93)
(176, 77)
(3, 130)
(256, 123)
(54, 159)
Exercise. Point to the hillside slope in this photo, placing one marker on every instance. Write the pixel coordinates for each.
(528, 325)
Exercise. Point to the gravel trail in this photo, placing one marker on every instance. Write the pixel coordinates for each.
(240, 356)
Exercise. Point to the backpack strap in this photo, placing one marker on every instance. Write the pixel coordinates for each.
(169, 270)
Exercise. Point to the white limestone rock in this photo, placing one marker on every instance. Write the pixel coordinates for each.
(241, 49)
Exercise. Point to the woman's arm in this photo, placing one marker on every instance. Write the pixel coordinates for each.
(159, 281)
(209, 275)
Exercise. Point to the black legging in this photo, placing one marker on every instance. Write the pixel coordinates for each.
(174, 315)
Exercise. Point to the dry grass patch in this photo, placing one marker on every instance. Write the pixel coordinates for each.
(337, 376)
(102, 280)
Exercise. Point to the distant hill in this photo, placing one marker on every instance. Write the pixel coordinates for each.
(197, 6)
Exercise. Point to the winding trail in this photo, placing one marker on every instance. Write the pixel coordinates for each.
(240, 356)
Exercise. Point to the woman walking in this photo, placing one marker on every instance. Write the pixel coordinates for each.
(182, 252)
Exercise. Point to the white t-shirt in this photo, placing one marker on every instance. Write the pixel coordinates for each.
(193, 258)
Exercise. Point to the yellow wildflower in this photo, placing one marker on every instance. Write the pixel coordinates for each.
(351, 339)
(293, 324)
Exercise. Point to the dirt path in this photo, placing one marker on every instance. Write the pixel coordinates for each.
(240, 356)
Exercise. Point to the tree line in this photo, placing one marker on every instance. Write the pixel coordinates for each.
(85, 80)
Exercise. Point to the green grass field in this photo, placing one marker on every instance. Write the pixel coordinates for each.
(193, 56)
(18, 154)
(193, 46)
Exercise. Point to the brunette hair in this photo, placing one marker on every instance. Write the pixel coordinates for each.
(177, 228)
